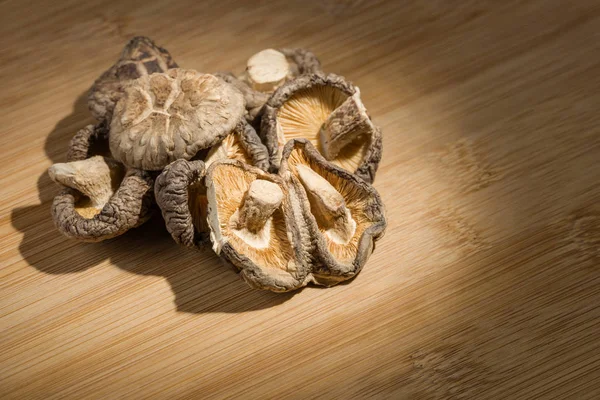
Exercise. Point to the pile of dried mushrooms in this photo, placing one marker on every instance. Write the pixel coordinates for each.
(273, 167)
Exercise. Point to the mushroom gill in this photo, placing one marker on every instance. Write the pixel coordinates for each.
(229, 148)
(338, 205)
(267, 244)
(304, 115)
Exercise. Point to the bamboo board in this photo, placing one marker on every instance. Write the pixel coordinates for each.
(485, 286)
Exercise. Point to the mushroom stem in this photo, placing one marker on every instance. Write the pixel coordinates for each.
(344, 124)
(327, 205)
(267, 70)
(260, 202)
(93, 177)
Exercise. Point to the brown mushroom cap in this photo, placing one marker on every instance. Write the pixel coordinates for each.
(327, 111)
(167, 116)
(255, 228)
(129, 206)
(181, 195)
(302, 61)
(140, 57)
(89, 141)
(340, 256)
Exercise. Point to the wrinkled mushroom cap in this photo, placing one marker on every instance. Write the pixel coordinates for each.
(140, 57)
(167, 116)
(181, 196)
(327, 111)
(345, 214)
(301, 61)
(128, 207)
(89, 141)
(123, 199)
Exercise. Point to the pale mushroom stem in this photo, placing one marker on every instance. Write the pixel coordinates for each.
(327, 205)
(260, 202)
(344, 125)
(93, 177)
(267, 70)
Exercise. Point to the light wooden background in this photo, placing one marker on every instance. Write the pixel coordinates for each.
(485, 286)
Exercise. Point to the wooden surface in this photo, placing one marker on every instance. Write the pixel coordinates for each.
(485, 286)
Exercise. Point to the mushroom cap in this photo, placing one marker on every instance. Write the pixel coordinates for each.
(88, 141)
(336, 261)
(302, 61)
(128, 207)
(181, 196)
(140, 57)
(166, 116)
(300, 108)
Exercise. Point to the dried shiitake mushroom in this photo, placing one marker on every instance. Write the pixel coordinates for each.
(140, 57)
(266, 71)
(328, 111)
(180, 191)
(255, 225)
(101, 198)
(343, 213)
(181, 195)
(314, 222)
(168, 116)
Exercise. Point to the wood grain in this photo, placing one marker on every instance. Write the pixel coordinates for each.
(486, 285)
